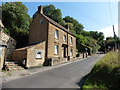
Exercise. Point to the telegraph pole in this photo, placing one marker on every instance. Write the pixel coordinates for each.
(115, 47)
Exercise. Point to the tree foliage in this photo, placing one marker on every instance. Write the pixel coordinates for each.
(16, 21)
(77, 27)
(52, 12)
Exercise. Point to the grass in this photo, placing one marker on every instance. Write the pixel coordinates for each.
(105, 74)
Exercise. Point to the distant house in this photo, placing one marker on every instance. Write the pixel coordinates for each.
(7, 45)
(49, 43)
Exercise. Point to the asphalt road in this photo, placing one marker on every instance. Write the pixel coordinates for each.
(67, 76)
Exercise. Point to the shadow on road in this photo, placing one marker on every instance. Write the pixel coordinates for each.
(81, 82)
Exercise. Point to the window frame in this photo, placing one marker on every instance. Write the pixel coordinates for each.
(38, 54)
(56, 52)
(71, 52)
(71, 40)
(56, 34)
(64, 38)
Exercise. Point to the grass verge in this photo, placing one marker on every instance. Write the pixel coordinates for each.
(105, 74)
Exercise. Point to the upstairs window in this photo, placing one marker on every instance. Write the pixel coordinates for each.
(56, 49)
(64, 38)
(56, 34)
(71, 40)
(41, 21)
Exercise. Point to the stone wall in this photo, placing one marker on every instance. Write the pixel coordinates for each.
(31, 55)
(19, 55)
(11, 44)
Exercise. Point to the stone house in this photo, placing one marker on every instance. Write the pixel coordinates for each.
(60, 43)
(7, 46)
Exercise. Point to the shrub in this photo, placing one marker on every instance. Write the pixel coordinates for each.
(105, 74)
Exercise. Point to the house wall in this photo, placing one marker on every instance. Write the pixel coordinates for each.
(31, 55)
(52, 41)
(10, 43)
(38, 32)
(73, 46)
(7, 45)
(2, 57)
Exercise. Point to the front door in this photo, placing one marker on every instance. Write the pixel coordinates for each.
(64, 52)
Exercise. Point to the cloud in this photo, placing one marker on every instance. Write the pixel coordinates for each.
(108, 31)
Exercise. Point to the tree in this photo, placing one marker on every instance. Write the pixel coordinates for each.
(97, 35)
(16, 21)
(52, 12)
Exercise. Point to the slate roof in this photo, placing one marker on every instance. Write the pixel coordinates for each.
(58, 25)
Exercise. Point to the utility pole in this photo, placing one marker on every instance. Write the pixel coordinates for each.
(115, 47)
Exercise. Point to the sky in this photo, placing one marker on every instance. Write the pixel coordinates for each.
(95, 16)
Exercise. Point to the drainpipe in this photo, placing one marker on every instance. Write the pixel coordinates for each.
(67, 46)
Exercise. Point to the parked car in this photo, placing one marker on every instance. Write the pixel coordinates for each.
(100, 52)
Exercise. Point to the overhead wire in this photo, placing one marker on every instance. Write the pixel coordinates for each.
(110, 12)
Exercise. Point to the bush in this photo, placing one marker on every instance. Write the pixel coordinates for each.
(105, 74)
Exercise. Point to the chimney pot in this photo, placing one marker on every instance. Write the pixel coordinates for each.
(40, 9)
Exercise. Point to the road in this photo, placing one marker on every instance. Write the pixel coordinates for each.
(67, 76)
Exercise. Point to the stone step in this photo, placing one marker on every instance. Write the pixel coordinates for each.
(16, 68)
(12, 62)
(12, 65)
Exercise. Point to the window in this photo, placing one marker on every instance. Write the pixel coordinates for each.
(56, 49)
(71, 41)
(38, 54)
(56, 34)
(64, 38)
(41, 21)
(71, 52)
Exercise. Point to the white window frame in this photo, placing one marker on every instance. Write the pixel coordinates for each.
(71, 40)
(38, 56)
(64, 38)
(56, 34)
(56, 49)
(71, 52)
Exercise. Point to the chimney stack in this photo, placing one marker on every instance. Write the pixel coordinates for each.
(68, 27)
(40, 9)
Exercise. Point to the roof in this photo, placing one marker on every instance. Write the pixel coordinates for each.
(8, 35)
(56, 24)
(1, 24)
(28, 46)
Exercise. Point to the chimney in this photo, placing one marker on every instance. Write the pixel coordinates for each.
(40, 9)
(68, 27)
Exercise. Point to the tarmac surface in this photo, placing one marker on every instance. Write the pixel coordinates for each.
(68, 75)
